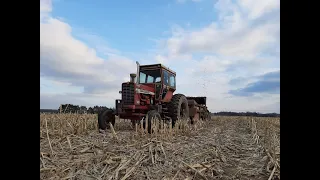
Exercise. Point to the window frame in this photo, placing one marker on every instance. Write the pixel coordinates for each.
(174, 79)
(170, 75)
(145, 78)
(165, 72)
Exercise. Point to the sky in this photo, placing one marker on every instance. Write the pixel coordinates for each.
(226, 50)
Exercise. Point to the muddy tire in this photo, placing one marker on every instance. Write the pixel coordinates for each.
(153, 114)
(178, 108)
(104, 118)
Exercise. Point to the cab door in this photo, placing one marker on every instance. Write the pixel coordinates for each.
(168, 86)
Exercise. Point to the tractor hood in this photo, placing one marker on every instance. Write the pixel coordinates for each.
(145, 89)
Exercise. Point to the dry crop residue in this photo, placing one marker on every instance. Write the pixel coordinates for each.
(222, 148)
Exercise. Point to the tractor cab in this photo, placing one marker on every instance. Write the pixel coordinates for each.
(158, 77)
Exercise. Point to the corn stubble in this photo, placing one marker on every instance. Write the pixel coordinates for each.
(71, 147)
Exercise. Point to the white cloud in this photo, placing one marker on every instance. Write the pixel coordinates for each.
(244, 42)
(53, 86)
(161, 59)
(233, 35)
(70, 66)
(212, 64)
(53, 100)
(264, 103)
(45, 6)
(255, 9)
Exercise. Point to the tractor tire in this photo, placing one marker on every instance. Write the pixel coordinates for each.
(178, 108)
(153, 114)
(105, 118)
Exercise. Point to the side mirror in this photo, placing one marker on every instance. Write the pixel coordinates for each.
(120, 92)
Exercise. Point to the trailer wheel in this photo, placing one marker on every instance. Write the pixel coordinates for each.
(178, 108)
(153, 114)
(104, 118)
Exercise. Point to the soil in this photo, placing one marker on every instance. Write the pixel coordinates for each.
(222, 148)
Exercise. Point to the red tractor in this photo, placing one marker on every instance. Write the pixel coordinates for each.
(150, 92)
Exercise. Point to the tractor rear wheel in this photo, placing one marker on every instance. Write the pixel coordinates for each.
(178, 108)
(105, 118)
(153, 114)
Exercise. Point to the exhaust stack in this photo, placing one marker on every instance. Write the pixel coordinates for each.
(138, 73)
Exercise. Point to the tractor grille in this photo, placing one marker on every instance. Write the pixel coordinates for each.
(128, 94)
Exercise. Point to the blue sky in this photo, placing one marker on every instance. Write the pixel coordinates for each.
(226, 50)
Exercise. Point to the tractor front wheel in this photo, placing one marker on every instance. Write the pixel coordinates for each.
(105, 118)
(152, 115)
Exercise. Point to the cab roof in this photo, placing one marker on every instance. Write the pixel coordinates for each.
(157, 66)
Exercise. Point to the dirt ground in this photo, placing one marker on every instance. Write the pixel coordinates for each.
(222, 148)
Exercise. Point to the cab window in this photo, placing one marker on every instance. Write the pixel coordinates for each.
(172, 80)
(150, 79)
(142, 77)
(165, 77)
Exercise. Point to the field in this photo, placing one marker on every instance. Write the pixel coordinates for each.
(71, 147)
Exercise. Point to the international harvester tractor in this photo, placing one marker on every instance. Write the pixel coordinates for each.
(151, 92)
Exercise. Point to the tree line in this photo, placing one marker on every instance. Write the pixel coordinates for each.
(252, 114)
(70, 108)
